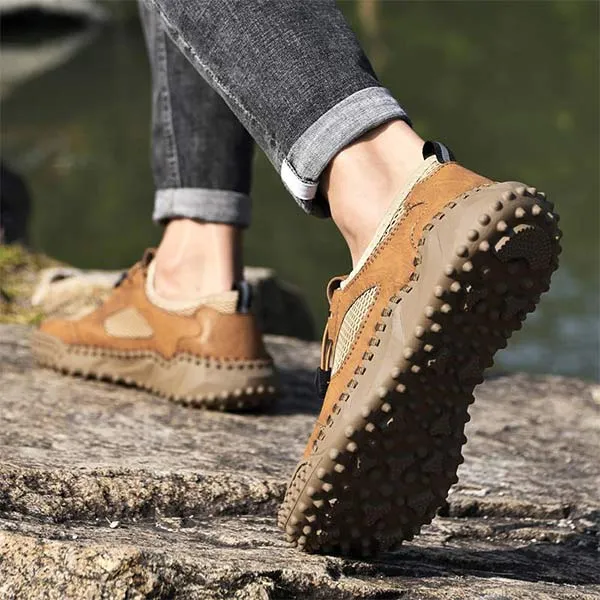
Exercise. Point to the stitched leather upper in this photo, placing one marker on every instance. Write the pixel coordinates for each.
(206, 333)
(389, 269)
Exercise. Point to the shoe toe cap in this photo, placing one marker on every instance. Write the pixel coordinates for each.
(65, 331)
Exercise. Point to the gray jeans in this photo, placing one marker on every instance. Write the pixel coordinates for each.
(288, 73)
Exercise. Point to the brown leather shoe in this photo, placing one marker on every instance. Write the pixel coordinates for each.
(457, 263)
(209, 358)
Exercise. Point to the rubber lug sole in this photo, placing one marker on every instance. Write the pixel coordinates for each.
(55, 354)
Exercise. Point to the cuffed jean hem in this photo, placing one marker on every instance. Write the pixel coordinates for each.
(212, 206)
(339, 126)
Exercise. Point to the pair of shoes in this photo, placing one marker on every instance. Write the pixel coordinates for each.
(457, 263)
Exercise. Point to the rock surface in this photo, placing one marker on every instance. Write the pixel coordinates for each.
(109, 492)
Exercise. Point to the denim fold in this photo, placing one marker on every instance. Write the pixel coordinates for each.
(212, 206)
(329, 134)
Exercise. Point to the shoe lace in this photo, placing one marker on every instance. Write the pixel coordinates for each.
(127, 276)
(323, 372)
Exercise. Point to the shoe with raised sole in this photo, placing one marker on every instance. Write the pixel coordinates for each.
(456, 265)
(210, 357)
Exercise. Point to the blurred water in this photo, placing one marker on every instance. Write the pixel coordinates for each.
(512, 87)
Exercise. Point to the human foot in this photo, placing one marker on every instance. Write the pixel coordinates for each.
(210, 355)
(197, 259)
(362, 180)
(452, 271)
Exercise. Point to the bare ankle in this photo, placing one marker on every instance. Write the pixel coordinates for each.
(197, 259)
(362, 180)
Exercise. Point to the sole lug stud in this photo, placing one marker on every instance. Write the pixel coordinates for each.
(527, 283)
(351, 447)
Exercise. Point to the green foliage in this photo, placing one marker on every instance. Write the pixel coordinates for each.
(19, 269)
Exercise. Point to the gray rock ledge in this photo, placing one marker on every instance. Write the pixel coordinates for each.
(109, 492)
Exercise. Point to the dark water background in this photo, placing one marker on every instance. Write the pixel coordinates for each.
(512, 87)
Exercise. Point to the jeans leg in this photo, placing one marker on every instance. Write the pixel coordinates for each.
(293, 73)
(201, 153)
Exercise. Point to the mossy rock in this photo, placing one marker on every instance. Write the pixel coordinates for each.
(19, 269)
